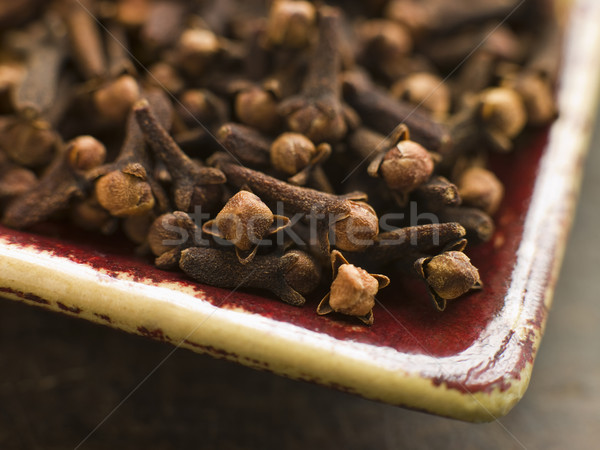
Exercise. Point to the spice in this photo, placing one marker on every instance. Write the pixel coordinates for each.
(169, 235)
(327, 210)
(290, 276)
(448, 276)
(189, 179)
(62, 182)
(282, 117)
(290, 23)
(404, 167)
(317, 112)
(246, 144)
(352, 291)
(383, 113)
(294, 154)
(481, 189)
(245, 220)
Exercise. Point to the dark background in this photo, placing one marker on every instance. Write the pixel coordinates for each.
(60, 377)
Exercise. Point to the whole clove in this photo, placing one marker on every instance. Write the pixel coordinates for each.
(169, 235)
(189, 179)
(383, 113)
(318, 112)
(246, 144)
(289, 277)
(352, 291)
(448, 276)
(245, 220)
(480, 188)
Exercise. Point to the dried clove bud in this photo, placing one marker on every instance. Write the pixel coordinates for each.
(503, 115)
(479, 225)
(86, 153)
(292, 152)
(448, 276)
(257, 107)
(352, 291)
(245, 144)
(295, 154)
(385, 46)
(245, 220)
(437, 193)
(60, 184)
(383, 113)
(126, 192)
(356, 232)
(290, 24)
(192, 184)
(114, 100)
(86, 41)
(131, 170)
(404, 167)
(90, 215)
(203, 106)
(537, 94)
(196, 50)
(27, 143)
(317, 112)
(402, 244)
(289, 277)
(169, 235)
(164, 75)
(325, 209)
(425, 90)
(481, 189)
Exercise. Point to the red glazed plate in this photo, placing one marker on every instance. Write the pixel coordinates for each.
(472, 362)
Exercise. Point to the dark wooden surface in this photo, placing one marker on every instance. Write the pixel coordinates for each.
(61, 377)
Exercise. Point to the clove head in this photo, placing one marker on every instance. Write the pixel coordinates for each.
(385, 45)
(196, 50)
(502, 111)
(353, 291)
(170, 230)
(537, 95)
(424, 90)
(244, 220)
(165, 76)
(292, 152)
(291, 24)
(480, 188)
(319, 120)
(406, 166)
(450, 275)
(357, 231)
(114, 100)
(86, 153)
(125, 192)
(257, 108)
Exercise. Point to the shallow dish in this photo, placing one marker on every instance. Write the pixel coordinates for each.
(472, 362)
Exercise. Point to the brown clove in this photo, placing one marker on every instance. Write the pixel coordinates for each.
(189, 179)
(290, 276)
(318, 112)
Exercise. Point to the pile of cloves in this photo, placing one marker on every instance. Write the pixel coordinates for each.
(292, 146)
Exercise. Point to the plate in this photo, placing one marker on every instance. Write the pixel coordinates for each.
(471, 362)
